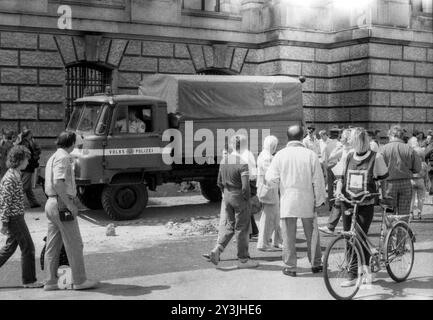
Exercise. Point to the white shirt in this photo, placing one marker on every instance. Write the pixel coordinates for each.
(302, 187)
(413, 142)
(135, 126)
(312, 144)
(331, 144)
(322, 145)
(60, 166)
(374, 146)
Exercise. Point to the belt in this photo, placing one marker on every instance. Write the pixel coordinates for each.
(56, 196)
(232, 189)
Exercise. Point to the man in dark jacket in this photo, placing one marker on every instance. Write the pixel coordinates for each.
(6, 144)
(25, 138)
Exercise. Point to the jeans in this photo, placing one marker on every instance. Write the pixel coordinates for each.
(331, 180)
(19, 235)
(236, 220)
(67, 233)
(288, 230)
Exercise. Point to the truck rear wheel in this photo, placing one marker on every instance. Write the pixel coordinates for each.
(124, 202)
(90, 196)
(210, 190)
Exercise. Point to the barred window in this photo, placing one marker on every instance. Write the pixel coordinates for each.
(84, 78)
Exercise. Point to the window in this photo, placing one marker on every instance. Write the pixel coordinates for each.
(134, 119)
(84, 78)
(204, 5)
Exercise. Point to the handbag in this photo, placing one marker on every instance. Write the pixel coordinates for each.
(255, 205)
(266, 194)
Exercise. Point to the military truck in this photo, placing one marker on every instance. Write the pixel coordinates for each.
(175, 129)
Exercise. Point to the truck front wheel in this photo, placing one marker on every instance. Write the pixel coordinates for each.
(90, 196)
(123, 202)
(210, 190)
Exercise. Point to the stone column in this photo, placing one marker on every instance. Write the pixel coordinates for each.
(251, 14)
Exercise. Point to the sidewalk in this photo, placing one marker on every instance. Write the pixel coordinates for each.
(228, 283)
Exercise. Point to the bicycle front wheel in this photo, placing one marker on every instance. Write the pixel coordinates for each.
(399, 252)
(342, 268)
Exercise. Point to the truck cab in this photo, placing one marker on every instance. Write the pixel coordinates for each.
(118, 148)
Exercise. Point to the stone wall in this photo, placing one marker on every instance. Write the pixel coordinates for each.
(368, 84)
(371, 84)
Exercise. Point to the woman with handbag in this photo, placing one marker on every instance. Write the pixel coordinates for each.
(269, 224)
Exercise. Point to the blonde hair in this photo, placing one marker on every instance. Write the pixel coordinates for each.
(360, 140)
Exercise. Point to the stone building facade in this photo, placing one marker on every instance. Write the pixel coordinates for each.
(368, 64)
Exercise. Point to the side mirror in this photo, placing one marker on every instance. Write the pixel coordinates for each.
(101, 128)
(174, 120)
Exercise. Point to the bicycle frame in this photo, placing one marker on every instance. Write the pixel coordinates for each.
(363, 241)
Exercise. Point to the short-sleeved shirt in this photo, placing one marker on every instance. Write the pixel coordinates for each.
(231, 171)
(380, 170)
(60, 166)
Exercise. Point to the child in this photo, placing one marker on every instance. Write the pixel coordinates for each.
(12, 217)
(420, 183)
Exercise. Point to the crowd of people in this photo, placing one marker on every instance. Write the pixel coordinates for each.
(284, 186)
(309, 172)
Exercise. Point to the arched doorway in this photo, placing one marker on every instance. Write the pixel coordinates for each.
(84, 78)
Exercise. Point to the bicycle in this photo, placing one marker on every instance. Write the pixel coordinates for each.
(344, 257)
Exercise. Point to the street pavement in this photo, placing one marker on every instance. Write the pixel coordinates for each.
(146, 260)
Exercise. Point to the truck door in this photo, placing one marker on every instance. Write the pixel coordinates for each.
(135, 140)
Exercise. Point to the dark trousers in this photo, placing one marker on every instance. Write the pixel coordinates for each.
(28, 188)
(331, 180)
(236, 220)
(19, 235)
(364, 219)
(255, 230)
(334, 217)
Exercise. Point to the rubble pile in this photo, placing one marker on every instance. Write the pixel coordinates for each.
(193, 227)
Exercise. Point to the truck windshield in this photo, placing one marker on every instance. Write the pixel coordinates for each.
(85, 116)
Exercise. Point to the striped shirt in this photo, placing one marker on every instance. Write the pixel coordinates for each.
(11, 196)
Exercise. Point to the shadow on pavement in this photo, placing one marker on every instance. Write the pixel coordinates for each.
(397, 290)
(126, 290)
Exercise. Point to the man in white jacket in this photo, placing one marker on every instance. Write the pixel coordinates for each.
(302, 188)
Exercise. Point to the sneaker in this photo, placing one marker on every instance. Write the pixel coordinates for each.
(247, 264)
(214, 256)
(51, 287)
(373, 279)
(33, 285)
(349, 283)
(326, 230)
(268, 248)
(278, 246)
(88, 284)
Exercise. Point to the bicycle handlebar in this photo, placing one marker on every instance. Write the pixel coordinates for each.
(353, 202)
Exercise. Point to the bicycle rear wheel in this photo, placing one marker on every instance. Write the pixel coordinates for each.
(399, 252)
(342, 268)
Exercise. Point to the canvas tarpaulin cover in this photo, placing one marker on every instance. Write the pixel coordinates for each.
(222, 97)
